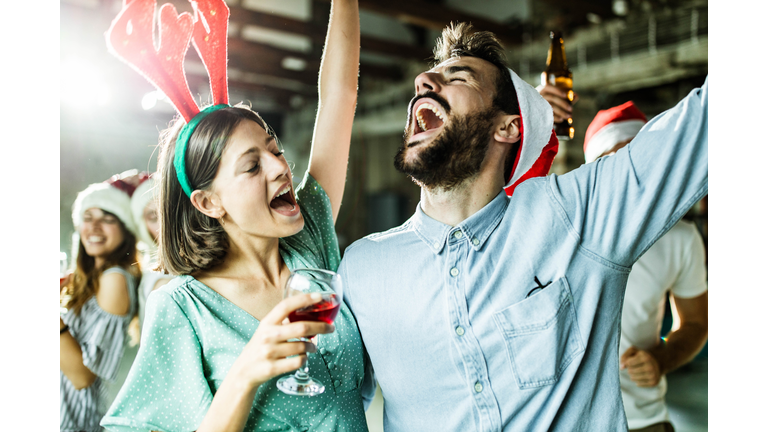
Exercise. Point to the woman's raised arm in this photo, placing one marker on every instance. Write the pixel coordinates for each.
(337, 97)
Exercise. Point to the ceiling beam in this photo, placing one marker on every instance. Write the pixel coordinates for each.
(583, 7)
(262, 53)
(434, 16)
(242, 16)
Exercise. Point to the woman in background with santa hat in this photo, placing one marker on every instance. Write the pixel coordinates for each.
(98, 301)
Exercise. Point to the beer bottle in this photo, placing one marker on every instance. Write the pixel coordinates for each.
(558, 75)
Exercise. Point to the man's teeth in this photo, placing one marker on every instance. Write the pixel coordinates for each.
(420, 119)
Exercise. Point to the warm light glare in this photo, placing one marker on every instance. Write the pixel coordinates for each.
(82, 85)
(149, 101)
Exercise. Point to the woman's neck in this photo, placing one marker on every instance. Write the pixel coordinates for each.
(254, 262)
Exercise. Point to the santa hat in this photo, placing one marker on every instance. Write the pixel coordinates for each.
(144, 193)
(611, 127)
(538, 142)
(113, 195)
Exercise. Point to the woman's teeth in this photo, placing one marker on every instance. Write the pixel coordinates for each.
(95, 239)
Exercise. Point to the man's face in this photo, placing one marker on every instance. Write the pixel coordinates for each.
(450, 123)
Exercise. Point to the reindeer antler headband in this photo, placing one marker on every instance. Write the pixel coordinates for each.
(130, 39)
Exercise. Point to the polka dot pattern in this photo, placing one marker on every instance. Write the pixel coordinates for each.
(193, 336)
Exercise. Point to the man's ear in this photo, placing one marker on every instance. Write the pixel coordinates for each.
(507, 129)
(208, 203)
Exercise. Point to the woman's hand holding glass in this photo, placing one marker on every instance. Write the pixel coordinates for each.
(275, 348)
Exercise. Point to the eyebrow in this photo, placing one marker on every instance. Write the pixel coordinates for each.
(457, 69)
(253, 149)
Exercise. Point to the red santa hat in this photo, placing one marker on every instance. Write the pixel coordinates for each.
(538, 142)
(611, 127)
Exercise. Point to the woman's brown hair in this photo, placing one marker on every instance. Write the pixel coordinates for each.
(85, 277)
(189, 240)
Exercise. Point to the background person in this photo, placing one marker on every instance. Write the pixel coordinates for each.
(99, 299)
(144, 212)
(674, 265)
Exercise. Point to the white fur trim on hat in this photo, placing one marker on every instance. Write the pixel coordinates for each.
(538, 118)
(610, 135)
(143, 194)
(105, 197)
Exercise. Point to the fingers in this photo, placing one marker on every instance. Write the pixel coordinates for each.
(288, 305)
(631, 351)
(301, 329)
(558, 100)
(289, 349)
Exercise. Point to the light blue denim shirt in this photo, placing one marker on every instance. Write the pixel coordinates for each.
(459, 334)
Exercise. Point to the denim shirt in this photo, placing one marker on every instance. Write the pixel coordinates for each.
(510, 320)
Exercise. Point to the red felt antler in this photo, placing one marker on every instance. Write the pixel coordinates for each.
(210, 40)
(130, 39)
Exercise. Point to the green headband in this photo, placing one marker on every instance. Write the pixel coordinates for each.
(179, 157)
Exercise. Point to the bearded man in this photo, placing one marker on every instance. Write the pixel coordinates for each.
(488, 312)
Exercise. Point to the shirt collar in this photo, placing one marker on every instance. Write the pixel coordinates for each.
(476, 229)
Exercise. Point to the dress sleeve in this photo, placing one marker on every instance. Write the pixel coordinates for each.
(103, 342)
(618, 206)
(166, 389)
(318, 239)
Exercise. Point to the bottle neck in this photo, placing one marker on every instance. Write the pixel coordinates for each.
(556, 62)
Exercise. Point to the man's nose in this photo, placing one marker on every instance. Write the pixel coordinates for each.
(427, 81)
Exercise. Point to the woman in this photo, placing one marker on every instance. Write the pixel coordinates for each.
(99, 299)
(214, 340)
(144, 212)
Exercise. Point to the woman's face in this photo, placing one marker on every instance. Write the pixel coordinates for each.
(254, 185)
(151, 220)
(100, 233)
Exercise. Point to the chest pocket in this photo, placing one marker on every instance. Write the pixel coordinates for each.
(541, 335)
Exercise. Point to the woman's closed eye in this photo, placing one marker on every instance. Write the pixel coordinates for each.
(255, 168)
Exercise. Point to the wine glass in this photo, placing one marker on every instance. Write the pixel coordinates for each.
(304, 281)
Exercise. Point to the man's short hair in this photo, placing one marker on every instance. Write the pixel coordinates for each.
(460, 39)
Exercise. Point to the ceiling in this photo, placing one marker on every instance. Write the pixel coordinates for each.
(275, 46)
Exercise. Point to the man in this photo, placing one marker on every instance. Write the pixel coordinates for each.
(485, 312)
(674, 265)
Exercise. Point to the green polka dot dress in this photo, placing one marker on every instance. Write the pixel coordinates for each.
(193, 335)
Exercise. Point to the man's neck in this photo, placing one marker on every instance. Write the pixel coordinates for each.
(453, 206)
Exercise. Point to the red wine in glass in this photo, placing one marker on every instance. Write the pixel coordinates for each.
(324, 311)
(328, 285)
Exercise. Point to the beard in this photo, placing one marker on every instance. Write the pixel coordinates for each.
(454, 156)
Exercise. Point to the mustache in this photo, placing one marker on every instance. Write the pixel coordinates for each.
(432, 95)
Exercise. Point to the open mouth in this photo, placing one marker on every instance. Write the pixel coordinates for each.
(95, 239)
(284, 201)
(428, 117)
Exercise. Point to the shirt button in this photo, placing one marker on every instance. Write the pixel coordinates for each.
(478, 387)
(457, 234)
(475, 241)
(336, 383)
(437, 245)
(322, 351)
(454, 272)
(459, 331)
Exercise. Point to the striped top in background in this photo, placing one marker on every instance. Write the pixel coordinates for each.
(101, 336)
